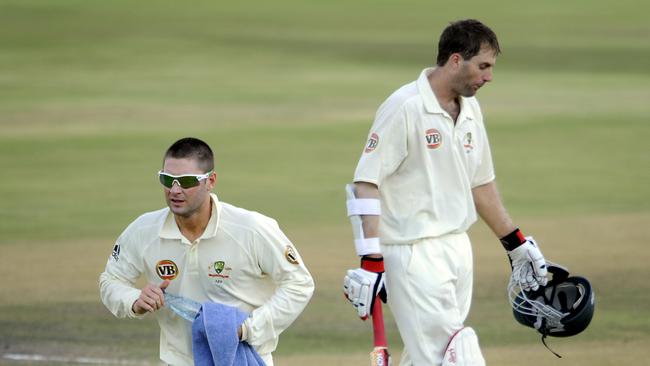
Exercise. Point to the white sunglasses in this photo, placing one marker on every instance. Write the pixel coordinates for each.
(184, 181)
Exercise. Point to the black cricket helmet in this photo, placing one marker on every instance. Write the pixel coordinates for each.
(562, 308)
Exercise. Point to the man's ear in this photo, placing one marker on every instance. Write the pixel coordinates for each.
(455, 60)
(212, 180)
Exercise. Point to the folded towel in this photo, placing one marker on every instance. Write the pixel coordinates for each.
(215, 341)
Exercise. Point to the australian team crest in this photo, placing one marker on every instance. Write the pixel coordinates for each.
(219, 269)
(218, 266)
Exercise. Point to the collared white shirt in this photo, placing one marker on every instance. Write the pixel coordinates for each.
(242, 259)
(425, 165)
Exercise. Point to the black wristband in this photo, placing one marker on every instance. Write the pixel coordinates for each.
(513, 240)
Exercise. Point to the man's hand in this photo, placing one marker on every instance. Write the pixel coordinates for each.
(151, 298)
(361, 286)
(528, 265)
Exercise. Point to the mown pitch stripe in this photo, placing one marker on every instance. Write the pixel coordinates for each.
(68, 360)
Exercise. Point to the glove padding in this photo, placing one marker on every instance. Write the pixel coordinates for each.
(361, 286)
(528, 265)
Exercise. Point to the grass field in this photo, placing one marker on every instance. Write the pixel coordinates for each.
(92, 93)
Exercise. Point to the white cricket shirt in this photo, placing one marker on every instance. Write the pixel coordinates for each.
(425, 165)
(242, 259)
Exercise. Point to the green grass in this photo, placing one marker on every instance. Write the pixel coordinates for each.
(296, 172)
(92, 93)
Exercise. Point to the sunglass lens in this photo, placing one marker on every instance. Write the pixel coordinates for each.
(188, 182)
(166, 180)
(184, 182)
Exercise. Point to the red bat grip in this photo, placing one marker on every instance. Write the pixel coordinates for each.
(379, 334)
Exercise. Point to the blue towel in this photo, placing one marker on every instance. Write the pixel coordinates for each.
(215, 341)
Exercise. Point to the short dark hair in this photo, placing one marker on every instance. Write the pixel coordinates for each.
(192, 148)
(465, 37)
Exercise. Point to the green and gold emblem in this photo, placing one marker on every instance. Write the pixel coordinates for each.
(218, 266)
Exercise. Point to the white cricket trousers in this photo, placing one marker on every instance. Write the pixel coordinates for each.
(429, 284)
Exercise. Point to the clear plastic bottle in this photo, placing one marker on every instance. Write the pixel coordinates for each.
(182, 306)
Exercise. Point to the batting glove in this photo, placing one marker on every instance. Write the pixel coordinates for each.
(527, 262)
(363, 285)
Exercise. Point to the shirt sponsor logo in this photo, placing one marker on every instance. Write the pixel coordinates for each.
(452, 355)
(467, 142)
(433, 138)
(218, 269)
(166, 269)
(373, 141)
(116, 252)
(290, 255)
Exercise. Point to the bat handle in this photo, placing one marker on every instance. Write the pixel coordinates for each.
(379, 333)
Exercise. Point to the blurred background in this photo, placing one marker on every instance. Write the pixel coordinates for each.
(92, 93)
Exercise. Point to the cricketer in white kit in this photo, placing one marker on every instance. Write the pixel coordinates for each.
(205, 250)
(424, 173)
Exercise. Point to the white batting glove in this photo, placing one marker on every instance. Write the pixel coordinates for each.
(528, 265)
(361, 286)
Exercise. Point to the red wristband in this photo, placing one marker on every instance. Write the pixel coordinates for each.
(372, 264)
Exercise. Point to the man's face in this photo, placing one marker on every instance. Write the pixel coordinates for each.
(186, 202)
(475, 72)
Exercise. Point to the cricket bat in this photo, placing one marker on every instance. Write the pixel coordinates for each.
(379, 355)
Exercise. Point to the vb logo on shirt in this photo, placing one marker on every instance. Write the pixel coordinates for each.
(166, 269)
(434, 138)
(373, 141)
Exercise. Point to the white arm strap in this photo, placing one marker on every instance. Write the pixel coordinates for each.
(356, 208)
(363, 206)
(367, 246)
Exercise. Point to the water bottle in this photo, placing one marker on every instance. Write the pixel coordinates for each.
(182, 306)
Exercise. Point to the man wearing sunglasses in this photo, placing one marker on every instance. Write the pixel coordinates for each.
(205, 250)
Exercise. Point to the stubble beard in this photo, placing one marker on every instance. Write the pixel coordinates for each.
(190, 207)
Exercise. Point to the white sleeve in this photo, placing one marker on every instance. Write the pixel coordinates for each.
(116, 283)
(386, 147)
(485, 172)
(279, 259)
